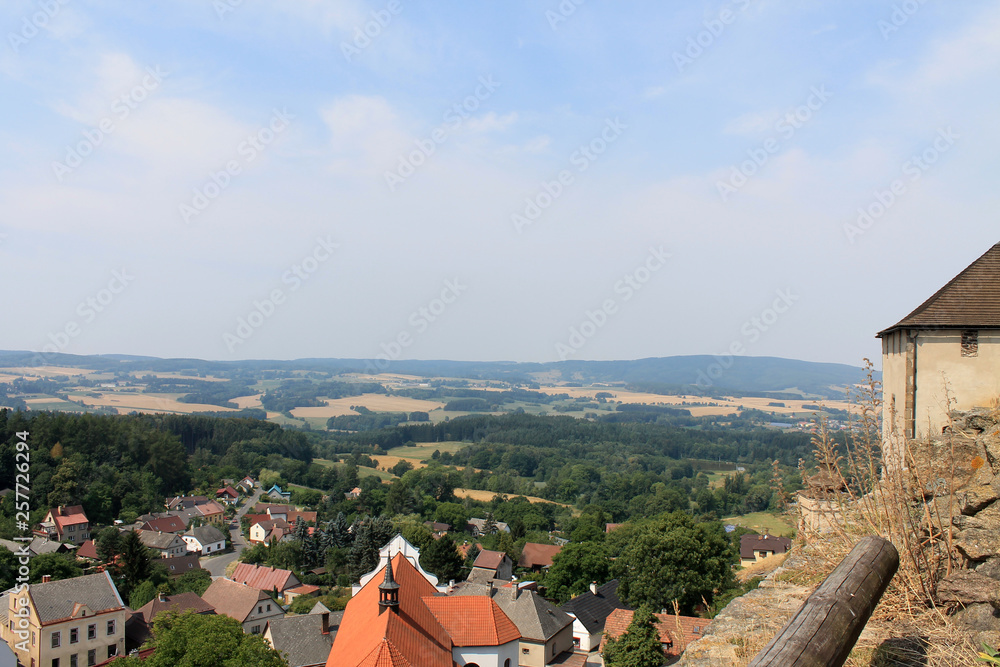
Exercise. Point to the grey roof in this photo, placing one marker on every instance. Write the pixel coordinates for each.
(160, 541)
(55, 600)
(593, 610)
(536, 618)
(301, 638)
(206, 534)
(41, 545)
(7, 657)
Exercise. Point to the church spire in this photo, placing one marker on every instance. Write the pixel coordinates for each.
(388, 590)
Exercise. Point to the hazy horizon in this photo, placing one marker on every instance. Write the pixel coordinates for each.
(533, 181)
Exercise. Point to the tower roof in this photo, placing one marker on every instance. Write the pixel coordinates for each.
(971, 300)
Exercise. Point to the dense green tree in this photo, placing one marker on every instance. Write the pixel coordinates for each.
(638, 646)
(134, 563)
(575, 567)
(108, 543)
(670, 557)
(453, 514)
(57, 566)
(196, 582)
(8, 569)
(441, 558)
(142, 594)
(197, 640)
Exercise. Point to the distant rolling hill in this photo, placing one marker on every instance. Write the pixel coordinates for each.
(701, 374)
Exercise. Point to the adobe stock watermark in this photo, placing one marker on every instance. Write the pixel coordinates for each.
(581, 159)
(247, 151)
(121, 108)
(913, 170)
(699, 43)
(562, 13)
(419, 321)
(625, 288)
(365, 35)
(22, 521)
(35, 23)
(294, 277)
(453, 118)
(790, 123)
(87, 310)
(900, 16)
(751, 331)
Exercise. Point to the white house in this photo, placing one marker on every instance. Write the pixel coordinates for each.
(205, 539)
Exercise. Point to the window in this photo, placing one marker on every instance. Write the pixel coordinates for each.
(255, 630)
(525, 651)
(91, 657)
(72, 661)
(970, 343)
(92, 631)
(56, 640)
(74, 636)
(269, 607)
(55, 662)
(506, 663)
(260, 610)
(112, 650)
(111, 628)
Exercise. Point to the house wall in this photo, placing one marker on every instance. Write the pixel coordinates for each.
(40, 651)
(486, 656)
(531, 654)
(257, 620)
(194, 545)
(582, 639)
(560, 642)
(940, 370)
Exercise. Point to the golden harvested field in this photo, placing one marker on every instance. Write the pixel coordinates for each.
(723, 407)
(178, 376)
(127, 402)
(47, 371)
(374, 402)
(487, 496)
(417, 455)
(248, 401)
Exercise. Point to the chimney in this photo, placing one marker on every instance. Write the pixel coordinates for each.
(326, 622)
(46, 578)
(593, 587)
(515, 590)
(490, 584)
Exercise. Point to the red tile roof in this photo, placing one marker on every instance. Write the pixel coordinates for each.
(88, 550)
(410, 636)
(167, 524)
(264, 578)
(71, 515)
(473, 620)
(229, 491)
(677, 631)
(538, 555)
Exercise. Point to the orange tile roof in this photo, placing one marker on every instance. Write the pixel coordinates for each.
(473, 620)
(489, 559)
(410, 636)
(538, 555)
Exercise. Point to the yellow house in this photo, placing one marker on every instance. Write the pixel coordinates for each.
(948, 349)
(69, 623)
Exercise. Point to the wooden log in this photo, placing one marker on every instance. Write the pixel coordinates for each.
(823, 632)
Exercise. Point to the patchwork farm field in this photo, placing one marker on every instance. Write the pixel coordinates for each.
(126, 402)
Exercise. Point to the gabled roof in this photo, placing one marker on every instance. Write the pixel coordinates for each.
(473, 621)
(301, 638)
(88, 550)
(536, 618)
(71, 515)
(677, 631)
(538, 555)
(56, 600)
(593, 609)
(490, 560)
(206, 534)
(751, 543)
(971, 300)
(166, 524)
(233, 599)
(264, 578)
(227, 490)
(179, 603)
(210, 508)
(160, 541)
(409, 636)
(179, 564)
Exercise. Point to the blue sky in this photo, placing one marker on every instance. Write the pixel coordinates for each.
(521, 180)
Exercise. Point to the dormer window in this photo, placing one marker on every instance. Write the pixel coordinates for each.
(970, 343)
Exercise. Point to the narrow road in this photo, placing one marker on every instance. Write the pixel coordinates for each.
(216, 565)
